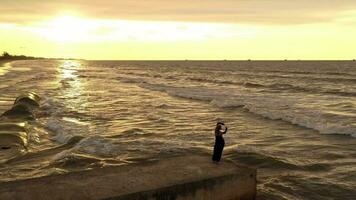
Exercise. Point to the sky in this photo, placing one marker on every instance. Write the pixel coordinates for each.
(180, 29)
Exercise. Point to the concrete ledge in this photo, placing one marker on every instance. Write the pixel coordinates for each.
(188, 177)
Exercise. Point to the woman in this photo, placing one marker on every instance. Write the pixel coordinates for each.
(219, 141)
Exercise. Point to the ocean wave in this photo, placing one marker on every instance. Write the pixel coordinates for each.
(260, 159)
(131, 142)
(270, 87)
(263, 161)
(63, 131)
(97, 145)
(300, 88)
(211, 80)
(344, 105)
(69, 160)
(295, 110)
(127, 79)
(253, 85)
(163, 106)
(123, 149)
(132, 132)
(341, 93)
(252, 156)
(48, 106)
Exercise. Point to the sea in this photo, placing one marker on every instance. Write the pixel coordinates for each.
(295, 121)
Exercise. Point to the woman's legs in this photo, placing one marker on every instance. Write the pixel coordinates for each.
(218, 149)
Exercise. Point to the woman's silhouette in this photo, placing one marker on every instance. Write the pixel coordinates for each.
(219, 141)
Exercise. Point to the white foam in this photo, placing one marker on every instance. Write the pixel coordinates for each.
(303, 111)
(120, 148)
(227, 103)
(61, 155)
(49, 106)
(63, 130)
(98, 145)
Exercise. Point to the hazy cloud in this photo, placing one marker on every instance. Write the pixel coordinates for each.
(236, 11)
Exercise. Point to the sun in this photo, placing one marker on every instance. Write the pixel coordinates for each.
(68, 28)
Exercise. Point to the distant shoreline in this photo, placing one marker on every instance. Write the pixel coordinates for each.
(2, 60)
(222, 60)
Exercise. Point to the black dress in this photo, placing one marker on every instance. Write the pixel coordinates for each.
(218, 148)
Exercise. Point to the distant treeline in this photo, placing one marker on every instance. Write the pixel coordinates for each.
(7, 56)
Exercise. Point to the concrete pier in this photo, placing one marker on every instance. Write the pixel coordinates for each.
(188, 177)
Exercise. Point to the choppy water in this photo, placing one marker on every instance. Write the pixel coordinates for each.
(294, 121)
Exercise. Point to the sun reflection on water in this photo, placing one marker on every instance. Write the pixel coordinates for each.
(72, 86)
(4, 69)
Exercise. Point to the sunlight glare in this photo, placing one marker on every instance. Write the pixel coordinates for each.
(70, 29)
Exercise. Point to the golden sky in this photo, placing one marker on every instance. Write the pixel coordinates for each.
(180, 29)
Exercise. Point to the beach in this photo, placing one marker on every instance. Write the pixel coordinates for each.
(294, 121)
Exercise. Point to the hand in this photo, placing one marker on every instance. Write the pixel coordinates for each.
(225, 130)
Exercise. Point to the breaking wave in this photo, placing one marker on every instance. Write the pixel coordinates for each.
(301, 111)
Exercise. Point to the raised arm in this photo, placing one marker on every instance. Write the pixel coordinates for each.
(225, 131)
